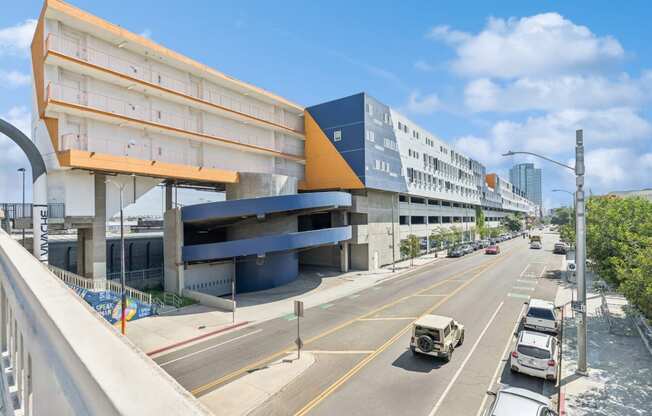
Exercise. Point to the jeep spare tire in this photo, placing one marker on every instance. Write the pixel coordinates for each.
(425, 343)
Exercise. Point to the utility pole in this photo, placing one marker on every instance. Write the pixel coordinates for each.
(580, 251)
(22, 207)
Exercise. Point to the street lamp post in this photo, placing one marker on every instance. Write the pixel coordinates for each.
(22, 207)
(580, 243)
(123, 298)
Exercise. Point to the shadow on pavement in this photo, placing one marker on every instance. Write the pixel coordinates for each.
(417, 362)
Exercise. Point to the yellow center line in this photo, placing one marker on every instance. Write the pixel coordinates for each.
(201, 389)
(324, 394)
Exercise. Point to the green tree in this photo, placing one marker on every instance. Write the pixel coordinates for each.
(513, 222)
(619, 242)
(410, 248)
(437, 238)
(480, 222)
(562, 215)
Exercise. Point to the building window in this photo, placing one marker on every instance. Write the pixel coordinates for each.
(403, 220)
(386, 118)
(370, 109)
(337, 135)
(371, 136)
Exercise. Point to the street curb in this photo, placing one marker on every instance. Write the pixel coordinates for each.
(202, 336)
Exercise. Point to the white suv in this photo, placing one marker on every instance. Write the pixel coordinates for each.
(541, 315)
(514, 401)
(535, 355)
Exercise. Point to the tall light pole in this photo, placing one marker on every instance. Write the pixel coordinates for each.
(22, 207)
(123, 298)
(580, 243)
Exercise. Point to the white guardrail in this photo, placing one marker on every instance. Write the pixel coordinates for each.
(58, 357)
(98, 285)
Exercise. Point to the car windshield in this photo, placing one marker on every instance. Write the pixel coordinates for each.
(533, 352)
(540, 313)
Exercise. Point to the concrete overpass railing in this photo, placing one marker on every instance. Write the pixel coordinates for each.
(58, 357)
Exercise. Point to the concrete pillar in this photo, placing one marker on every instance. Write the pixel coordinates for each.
(172, 245)
(91, 242)
(18, 375)
(168, 197)
(340, 219)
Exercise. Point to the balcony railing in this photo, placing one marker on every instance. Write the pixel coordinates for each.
(137, 70)
(137, 111)
(18, 210)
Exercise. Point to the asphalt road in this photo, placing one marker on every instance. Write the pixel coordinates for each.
(363, 364)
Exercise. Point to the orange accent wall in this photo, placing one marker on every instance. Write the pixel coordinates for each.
(325, 166)
(52, 125)
(491, 180)
(123, 164)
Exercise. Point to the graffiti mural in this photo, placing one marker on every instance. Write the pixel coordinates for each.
(108, 305)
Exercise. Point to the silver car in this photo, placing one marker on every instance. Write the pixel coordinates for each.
(514, 401)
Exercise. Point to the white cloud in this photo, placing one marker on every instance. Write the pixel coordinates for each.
(17, 39)
(11, 156)
(446, 34)
(14, 79)
(563, 92)
(553, 134)
(610, 169)
(538, 45)
(422, 104)
(424, 66)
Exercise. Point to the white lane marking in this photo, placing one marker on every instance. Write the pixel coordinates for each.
(493, 379)
(339, 352)
(524, 270)
(210, 348)
(390, 318)
(522, 288)
(529, 282)
(543, 271)
(468, 356)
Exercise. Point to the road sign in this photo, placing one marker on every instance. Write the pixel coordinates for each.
(298, 308)
(577, 306)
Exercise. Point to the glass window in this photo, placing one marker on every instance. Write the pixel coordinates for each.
(540, 313)
(337, 135)
(534, 352)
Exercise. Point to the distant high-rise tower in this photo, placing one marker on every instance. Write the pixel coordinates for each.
(528, 179)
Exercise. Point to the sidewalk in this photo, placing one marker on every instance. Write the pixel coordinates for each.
(314, 287)
(620, 367)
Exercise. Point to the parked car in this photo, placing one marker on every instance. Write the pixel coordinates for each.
(456, 252)
(485, 243)
(535, 355)
(437, 336)
(514, 401)
(492, 249)
(560, 248)
(535, 245)
(468, 248)
(477, 245)
(542, 316)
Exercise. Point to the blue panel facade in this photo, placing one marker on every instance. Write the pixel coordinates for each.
(265, 205)
(347, 116)
(368, 141)
(275, 270)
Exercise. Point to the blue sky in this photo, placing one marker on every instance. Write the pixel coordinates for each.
(484, 76)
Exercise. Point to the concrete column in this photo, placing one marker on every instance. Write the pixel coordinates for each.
(168, 197)
(91, 241)
(18, 374)
(172, 245)
(340, 219)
